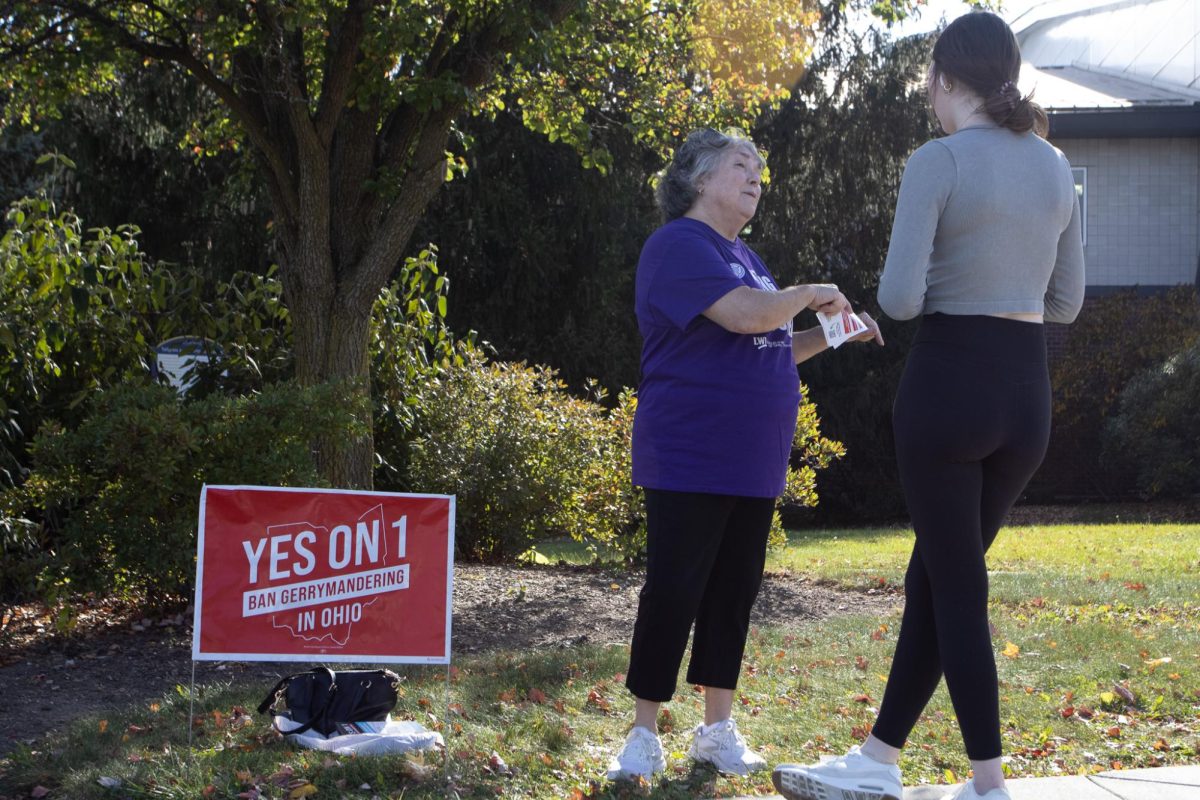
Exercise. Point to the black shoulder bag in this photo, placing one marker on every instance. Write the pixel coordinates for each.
(322, 699)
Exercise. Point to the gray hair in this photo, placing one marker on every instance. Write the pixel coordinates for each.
(679, 184)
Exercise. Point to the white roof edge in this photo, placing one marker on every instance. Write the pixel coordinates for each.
(1055, 9)
(1075, 87)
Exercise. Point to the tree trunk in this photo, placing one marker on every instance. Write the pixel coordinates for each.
(330, 338)
(333, 269)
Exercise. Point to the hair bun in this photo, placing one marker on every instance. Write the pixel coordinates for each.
(1009, 109)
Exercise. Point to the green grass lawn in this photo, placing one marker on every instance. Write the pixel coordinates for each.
(1087, 617)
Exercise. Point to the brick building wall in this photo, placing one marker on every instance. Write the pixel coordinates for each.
(1142, 229)
(1143, 209)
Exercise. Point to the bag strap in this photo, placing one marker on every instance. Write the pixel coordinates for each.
(273, 695)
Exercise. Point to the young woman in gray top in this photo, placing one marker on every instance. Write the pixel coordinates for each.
(986, 245)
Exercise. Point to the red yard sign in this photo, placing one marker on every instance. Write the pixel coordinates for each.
(322, 575)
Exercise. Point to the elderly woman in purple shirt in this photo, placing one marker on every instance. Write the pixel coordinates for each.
(716, 413)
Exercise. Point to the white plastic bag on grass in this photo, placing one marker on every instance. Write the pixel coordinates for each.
(392, 737)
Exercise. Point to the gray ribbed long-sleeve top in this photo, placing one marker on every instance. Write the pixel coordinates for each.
(987, 222)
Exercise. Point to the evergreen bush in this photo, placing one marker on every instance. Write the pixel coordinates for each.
(1115, 338)
(1155, 434)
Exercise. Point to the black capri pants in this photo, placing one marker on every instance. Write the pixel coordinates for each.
(971, 420)
(705, 556)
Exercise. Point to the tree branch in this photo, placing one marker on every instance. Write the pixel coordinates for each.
(352, 162)
(425, 174)
(339, 71)
(179, 53)
(312, 161)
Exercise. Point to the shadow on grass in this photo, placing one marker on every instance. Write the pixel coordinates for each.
(697, 781)
(525, 706)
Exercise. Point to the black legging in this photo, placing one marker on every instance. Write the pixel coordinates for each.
(971, 419)
(704, 563)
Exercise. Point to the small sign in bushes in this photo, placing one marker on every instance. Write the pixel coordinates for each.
(175, 360)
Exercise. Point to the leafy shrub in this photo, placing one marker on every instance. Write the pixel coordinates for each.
(119, 493)
(1156, 431)
(609, 512)
(410, 344)
(83, 309)
(77, 311)
(524, 457)
(1115, 338)
(23, 554)
(528, 461)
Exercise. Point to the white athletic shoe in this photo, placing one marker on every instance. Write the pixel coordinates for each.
(853, 776)
(642, 755)
(967, 792)
(721, 745)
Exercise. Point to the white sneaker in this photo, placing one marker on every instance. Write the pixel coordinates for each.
(642, 755)
(721, 745)
(853, 776)
(967, 792)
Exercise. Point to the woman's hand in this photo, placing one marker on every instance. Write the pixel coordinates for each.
(872, 331)
(827, 299)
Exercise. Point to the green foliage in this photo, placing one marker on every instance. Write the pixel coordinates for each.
(610, 513)
(526, 459)
(567, 64)
(1156, 430)
(140, 158)
(811, 451)
(410, 344)
(23, 552)
(77, 309)
(1115, 338)
(121, 489)
(81, 310)
(660, 68)
(541, 250)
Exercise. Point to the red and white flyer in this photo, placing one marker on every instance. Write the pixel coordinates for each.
(323, 575)
(840, 328)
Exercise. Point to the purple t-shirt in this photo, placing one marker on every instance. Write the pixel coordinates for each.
(716, 410)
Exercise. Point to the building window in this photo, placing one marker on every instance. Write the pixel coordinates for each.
(1080, 176)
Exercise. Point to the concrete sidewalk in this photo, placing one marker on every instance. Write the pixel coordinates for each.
(1166, 783)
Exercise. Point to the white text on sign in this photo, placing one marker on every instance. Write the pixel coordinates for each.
(293, 553)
